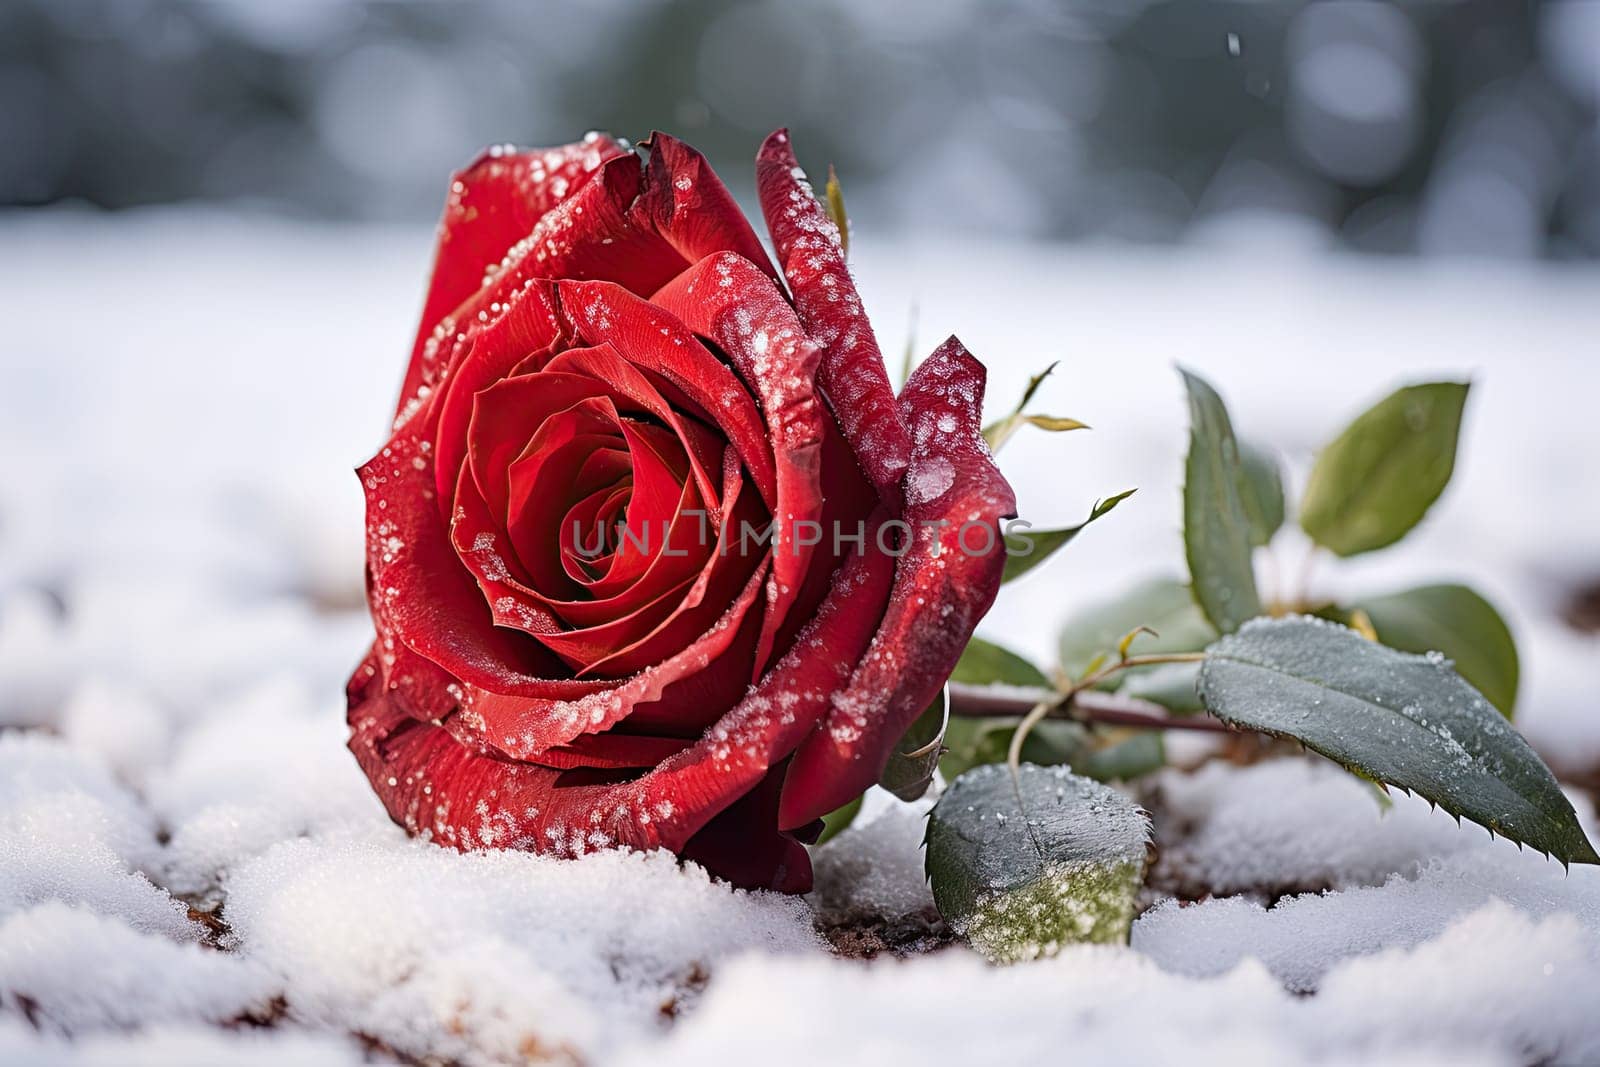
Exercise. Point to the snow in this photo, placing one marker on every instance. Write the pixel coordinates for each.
(1335, 833)
(1399, 878)
(874, 870)
(193, 870)
(268, 766)
(170, 1045)
(70, 835)
(1433, 1004)
(81, 971)
(491, 955)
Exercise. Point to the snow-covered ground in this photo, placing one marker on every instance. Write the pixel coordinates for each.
(185, 396)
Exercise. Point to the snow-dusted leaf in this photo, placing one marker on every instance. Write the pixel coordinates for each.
(1260, 491)
(1377, 479)
(1025, 551)
(911, 765)
(1406, 720)
(986, 663)
(1458, 622)
(1162, 604)
(1216, 527)
(1022, 865)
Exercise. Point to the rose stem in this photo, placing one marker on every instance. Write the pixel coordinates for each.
(987, 702)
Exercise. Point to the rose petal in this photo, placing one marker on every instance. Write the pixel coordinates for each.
(519, 589)
(614, 751)
(726, 300)
(546, 476)
(665, 540)
(550, 470)
(659, 469)
(943, 585)
(687, 543)
(440, 645)
(493, 203)
(592, 234)
(642, 639)
(585, 537)
(507, 414)
(587, 649)
(851, 374)
(483, 549)
(588, 235)
(635, 389)
(742, 844)
(430, 782)
(686, 203)
(657, 616)
(847, 502)
(726, 569)
(483, 357)
(655, 342)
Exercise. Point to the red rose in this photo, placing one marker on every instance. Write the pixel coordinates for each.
(606, 348)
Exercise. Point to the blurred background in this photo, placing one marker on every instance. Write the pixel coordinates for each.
(1437, 126)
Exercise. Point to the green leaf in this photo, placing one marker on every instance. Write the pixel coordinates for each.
(1379, 791)
(1163, 604)
(975, 742)
(916, 756)
(1172, 685)
(1260, 491)
(1054, 423)
(986, 663)
(1026, 550)
(1051, 743)
(838, 820)
(1378, 478)
(1136, 755)
(1405, 720)
(835, 206)
(1216, 529)
(1000, 431)
(997, 433)
(1024, 865)
(1458, 622)
(1033, 386)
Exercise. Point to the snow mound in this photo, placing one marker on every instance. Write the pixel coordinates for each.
(1106, 1005)
(1228, 829)
(268, 764)
(172, 1045)
(76, 970)
(69, 833)
(495, 956)
(1295, 819)
(874, 869)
